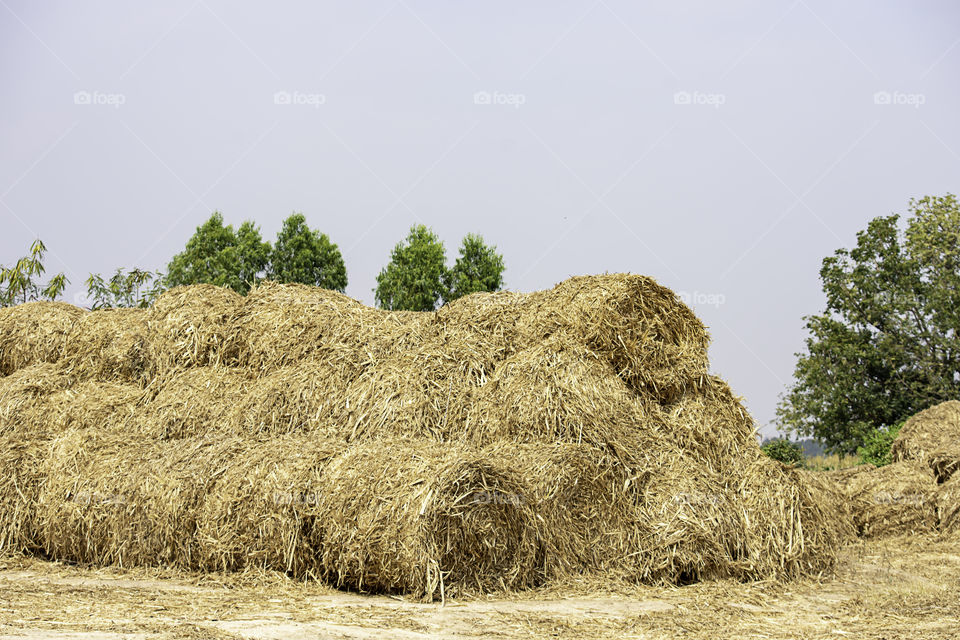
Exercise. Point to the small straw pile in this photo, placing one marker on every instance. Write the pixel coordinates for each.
(932, 437)
(504, 441)
(896, 499)
(34, 332)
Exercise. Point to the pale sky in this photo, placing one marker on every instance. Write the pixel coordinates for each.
(724, 148)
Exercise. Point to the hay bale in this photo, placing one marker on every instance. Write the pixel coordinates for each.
(127, 500)
(414, 516)
(21, 456)
(110, 345)
(308, 396)
(586, 501)
(932, 437)
(34, 332)
(193, 402)
(895, 499)
(261, 512)
(711, 424)
(556, 391)
(101, 406)
(188, 325)
(757, 521)
(25, 398)
(284, 324)
(654, 341)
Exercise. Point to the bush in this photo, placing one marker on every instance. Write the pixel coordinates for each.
(876, 445)
(783, 450)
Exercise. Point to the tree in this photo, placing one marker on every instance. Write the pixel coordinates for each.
(479, 268)
(17, 284)
(783, 450)
(304, 255)
(888, 343)
(216, 254)
(414, 278)
(134, 288)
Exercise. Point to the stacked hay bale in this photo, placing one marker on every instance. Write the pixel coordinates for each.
(501, 442)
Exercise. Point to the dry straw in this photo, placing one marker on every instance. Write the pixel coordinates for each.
(34, 332)
(948, 506)
(187, 326)
(425, 518)
(501, 442)
(110, 345)
(261, 512)
(932, 437)
(118, 498)
(898, 498)
(192, 402)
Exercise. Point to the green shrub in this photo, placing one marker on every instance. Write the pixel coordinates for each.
(783, 450)
(876, 445)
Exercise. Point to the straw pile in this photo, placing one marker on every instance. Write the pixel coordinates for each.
(932, 437)
(898, 498)
(948, 506)
(502, 442)
(34, 332)
(110, 345)
(188, 325)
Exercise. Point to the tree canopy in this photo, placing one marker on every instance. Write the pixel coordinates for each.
(301, 254)
(216, 254)
(479, 268)
(414, 278)
(888, 343)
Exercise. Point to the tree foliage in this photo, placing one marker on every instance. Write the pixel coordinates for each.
(888, 343)
(134, 288)
(479, 268)
(783, 450)
(19, 284)
(216, 254)
(414, 278)
(301, 254)
(876, 445)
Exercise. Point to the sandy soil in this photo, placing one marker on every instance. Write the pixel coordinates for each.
(899, 588)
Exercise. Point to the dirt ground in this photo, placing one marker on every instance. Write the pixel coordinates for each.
(897, 588)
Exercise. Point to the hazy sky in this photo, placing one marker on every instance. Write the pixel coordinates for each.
(723, 148)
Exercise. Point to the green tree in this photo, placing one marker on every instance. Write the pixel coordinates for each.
(304, 255)
(888, 343)
(18, 283)
(877, 444)
(134, 288)
(414, 278)
(783, 450)
(479, 268)
(216, 254)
